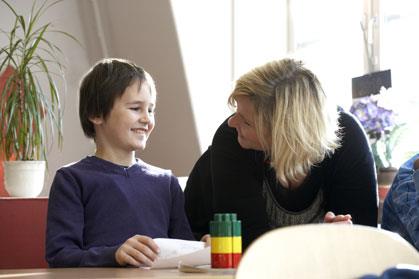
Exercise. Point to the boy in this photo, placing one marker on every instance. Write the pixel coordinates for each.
(105, 209)
(401, 206)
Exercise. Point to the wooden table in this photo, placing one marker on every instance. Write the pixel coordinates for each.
(113, 273)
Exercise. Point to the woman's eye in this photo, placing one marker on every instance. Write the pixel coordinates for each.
(245, 122)
(151, 111)
(135, 108)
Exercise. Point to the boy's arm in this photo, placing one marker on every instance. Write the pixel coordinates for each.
(137, 251)
(179, 225)
(65, 225)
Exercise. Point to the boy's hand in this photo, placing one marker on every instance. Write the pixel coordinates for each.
(330, 217)
(137, 250)
(207, 239)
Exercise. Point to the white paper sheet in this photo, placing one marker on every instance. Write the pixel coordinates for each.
(173, 251)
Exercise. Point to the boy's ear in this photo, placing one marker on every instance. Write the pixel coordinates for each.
(96, 120)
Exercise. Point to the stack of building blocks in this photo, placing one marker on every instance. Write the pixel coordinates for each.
(226, 242)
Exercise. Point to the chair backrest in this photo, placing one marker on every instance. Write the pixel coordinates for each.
(22, 232)
(325, 251)
(182, 181)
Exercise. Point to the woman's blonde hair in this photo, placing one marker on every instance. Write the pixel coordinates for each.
(294, 123)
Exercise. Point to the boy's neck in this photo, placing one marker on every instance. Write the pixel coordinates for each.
(118, 159)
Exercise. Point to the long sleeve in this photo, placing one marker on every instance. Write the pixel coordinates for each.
(95, 206)
(351, 186)
(65, 228)
(198, 196)
(179, 225)
(226, 178)
(237, 176)
(229, 178)
(401, 206)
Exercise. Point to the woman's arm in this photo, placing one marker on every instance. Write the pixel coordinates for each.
(352, 186)
(227, 179)
(237, 176)
(198, 196)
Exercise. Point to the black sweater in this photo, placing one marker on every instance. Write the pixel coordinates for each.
(228, 178)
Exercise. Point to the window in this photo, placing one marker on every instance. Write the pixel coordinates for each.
(222, 40)
(327, 35)
(399, 47)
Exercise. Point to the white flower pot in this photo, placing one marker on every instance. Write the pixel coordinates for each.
(24, 178)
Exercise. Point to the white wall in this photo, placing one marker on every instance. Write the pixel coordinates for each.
(143, 31)
(76, 145)
(204, 30)
(65, 16)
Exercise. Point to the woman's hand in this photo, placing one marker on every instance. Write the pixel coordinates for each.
(207, 239)
(330, 217)
(137, 250)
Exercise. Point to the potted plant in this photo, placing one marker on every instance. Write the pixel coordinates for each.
(384, 131)
(30, 108)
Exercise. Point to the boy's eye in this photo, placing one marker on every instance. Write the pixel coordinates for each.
(135, 108)
(151, 111)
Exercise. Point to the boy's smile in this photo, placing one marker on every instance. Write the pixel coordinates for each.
(128, 125)
(140, 130)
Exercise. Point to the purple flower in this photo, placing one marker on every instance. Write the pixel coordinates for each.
(375, 119)
(380, 125)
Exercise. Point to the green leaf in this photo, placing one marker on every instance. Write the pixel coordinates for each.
(30, 105)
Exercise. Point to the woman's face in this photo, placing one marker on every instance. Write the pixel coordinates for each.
(243, 122)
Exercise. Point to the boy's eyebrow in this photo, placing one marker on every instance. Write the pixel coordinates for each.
(139, 103)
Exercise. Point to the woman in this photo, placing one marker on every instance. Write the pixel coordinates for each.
(284, 158)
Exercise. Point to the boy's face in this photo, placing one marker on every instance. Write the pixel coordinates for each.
(130, 121)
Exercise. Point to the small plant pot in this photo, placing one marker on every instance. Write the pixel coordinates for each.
(385, 177)
(24, 178)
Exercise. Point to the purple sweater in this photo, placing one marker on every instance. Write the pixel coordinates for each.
(95, 206)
